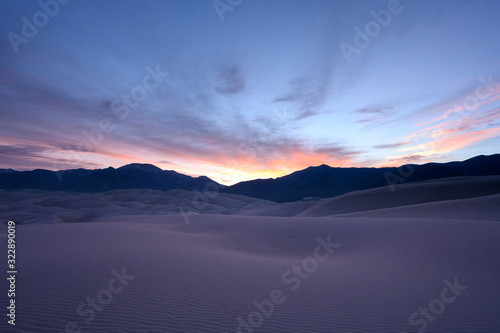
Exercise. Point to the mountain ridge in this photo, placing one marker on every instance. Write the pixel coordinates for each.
(324, 181)
(321, 181)
(130, 176)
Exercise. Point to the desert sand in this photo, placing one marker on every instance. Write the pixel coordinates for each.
(422, 258)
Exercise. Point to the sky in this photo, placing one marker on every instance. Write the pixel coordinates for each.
(244, 89)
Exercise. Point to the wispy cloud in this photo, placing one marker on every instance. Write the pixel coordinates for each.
(308, 94)
(25, 157)
(413, 158)
(231, 81)
(392, 145)
(460, 105)
(375, 115)
(451, 135)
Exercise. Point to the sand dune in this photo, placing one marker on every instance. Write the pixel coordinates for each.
(284, 209)
(33, 206)
(62, 207)
(371, 264)
(203, 276)
(485, 208)
(407, 194)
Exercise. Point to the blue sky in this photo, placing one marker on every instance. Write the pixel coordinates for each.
(264, 91)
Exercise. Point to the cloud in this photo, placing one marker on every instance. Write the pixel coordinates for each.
(455, 104)
(165, 162)
(375, 114)
(282, 158)
(392, 145)
(412, 158)
(451, 134)
(308, 93)
(231, 81)
(335, 151)
(24, 157)
(465, 118)
(460, 105)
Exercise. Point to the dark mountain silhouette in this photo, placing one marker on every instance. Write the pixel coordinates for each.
(324, 181)
(131, 176)
(320, 181)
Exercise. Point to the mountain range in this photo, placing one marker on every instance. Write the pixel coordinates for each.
(131, 176)
(313, 182)
(324, 181)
